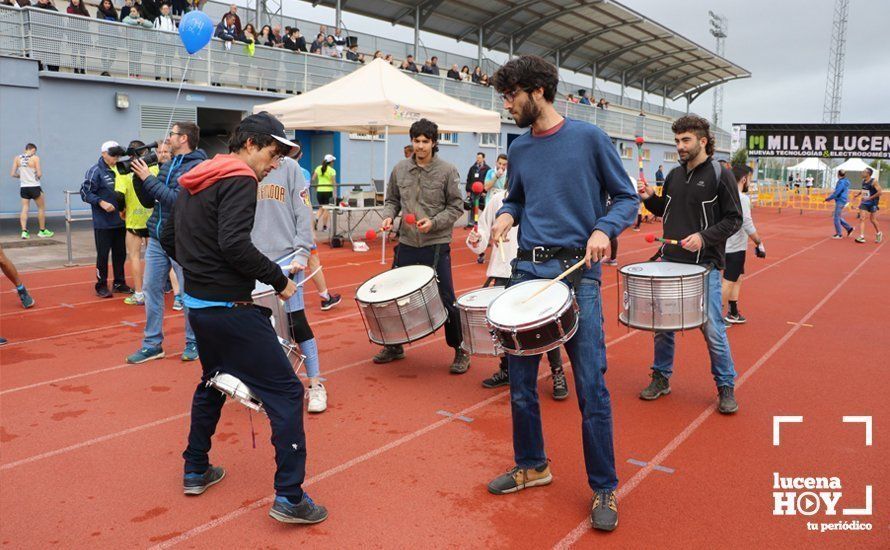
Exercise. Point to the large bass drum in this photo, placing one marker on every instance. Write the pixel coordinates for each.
(663, 296)
(401, 305)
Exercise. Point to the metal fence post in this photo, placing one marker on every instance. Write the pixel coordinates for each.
(70, 262)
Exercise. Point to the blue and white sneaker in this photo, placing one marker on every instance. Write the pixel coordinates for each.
(305, 511)
(3, 341)
(190, 353)
(177, 302)
(27, 300)
(195, 484)
(146, 354)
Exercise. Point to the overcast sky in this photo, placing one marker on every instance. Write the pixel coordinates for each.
(783, 43)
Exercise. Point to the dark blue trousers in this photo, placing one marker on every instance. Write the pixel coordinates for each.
(241, 341)
(438, 257)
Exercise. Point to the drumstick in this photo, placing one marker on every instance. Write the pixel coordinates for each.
(501, 249)
(650, 238)
(554, 281)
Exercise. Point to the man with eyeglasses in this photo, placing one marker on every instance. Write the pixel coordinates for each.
(545, 171)
(160, 192)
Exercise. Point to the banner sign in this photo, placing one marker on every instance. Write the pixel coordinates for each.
(868, 141)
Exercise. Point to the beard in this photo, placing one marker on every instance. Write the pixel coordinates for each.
(690, 153)
(529, 113)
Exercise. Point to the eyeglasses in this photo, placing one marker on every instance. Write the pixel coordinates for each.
(175, 134)
(510, 96)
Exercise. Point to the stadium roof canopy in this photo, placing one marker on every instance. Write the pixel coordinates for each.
(584, 36)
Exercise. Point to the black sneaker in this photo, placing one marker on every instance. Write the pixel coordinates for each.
(604, 511)
(498, 379)
(121, 289)
(305, 511)
(560, 386)
(102, 291)
(389, 353)
(333, 299)
(735, 319)
(727, 403)
(461, 363)
(518, 479)
(195, 484)
(849, 230)
(657, 387)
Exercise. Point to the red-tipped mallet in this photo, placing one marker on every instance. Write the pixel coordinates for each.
(477, 187)
(410, 219)
(370, 235)
(650, 238)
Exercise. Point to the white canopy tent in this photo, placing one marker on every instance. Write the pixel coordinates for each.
(854, 165)
(800, 169)
(379, 98)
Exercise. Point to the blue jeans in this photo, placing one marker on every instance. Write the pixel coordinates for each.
(715, 336)
(587, 352)
(839, 220)
(157, 266)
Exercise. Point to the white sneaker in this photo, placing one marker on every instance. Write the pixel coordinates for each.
(318, 398)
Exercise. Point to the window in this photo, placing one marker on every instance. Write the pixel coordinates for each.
(488, 140)
(625, 151)
(366, 137)
(646, 154)
(671, 156)
(449, 138)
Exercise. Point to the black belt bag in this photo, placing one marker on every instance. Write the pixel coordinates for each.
(567, 258)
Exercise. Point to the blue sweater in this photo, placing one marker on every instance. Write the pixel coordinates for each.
(98, 185)
(840, 191)
(558, 188)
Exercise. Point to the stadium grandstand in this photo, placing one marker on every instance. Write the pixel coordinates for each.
(69, 82)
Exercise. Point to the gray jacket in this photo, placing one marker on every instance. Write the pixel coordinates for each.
(432, 191)
(283, 219)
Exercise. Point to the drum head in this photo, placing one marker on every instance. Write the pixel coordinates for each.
(394, 283)
(507, 310)
(662, 269)
(480, 298)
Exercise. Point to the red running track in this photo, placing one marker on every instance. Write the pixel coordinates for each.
(91, 445)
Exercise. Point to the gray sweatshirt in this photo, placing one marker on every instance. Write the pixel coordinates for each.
(283, 220)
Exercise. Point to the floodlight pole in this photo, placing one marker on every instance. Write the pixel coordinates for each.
(718, 30)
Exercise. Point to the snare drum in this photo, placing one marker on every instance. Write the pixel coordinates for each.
(547, 321)
(663, 296)
(401, 305)
(477, 335)
(236, 389)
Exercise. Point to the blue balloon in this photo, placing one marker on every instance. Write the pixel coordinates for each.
(195, 30)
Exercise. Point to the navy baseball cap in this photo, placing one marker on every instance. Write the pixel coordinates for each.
(265, 123)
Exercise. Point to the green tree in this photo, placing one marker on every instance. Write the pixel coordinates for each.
(739, 157)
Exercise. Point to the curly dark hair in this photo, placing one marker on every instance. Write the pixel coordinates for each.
(698, 126)
(529, 73)
(427, 129)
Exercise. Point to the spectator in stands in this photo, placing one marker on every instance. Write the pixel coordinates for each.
(412, 66)
(249, 34)
(151, 9)
(434, 63)
(404, 66)
(135, 19)
(378, 55)
(583, 99)
(78, 49)
(107, 48)
(164, 22)
(227, 31)
(265, 38)
(603, 104)
(329, 48)
(108, 228)
(484, 80)
(427, 68)
(125, 9)
(353, 55)
(317, 44)
(571, 98)
(105, 11)
(179, 7)
(453, 72)
(295, 41)
(49, 6)
(277, 37)
(389, 59)
(339, 41)
(236, 20)
(323, 30)
(477, 75)
(465, 74)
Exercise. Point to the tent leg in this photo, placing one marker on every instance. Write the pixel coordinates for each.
(385, 168)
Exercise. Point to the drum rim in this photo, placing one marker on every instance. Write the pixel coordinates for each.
(472, 308)
(622, 270)
(532, 324)
(410, 340)
(399, 297)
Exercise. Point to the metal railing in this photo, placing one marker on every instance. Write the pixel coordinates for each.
(80, 43)
(69, 219)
